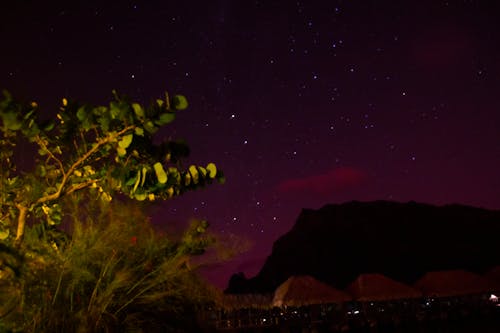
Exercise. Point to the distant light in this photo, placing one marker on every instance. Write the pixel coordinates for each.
(356, 312)
(494, 298)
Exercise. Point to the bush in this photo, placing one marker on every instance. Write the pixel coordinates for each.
(112, 273)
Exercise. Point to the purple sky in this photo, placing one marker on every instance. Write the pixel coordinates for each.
(301, 103)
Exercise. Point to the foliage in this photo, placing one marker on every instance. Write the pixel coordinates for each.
(102, 150)
(73, 259)
(115, 274)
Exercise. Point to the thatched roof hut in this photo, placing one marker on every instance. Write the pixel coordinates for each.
(306, 290)
(452, 283)
(377, 287)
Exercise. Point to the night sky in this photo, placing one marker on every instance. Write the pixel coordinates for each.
(301, 103)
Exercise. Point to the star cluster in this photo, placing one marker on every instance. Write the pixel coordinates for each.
(300, 103)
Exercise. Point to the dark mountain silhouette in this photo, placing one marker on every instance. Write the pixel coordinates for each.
(400, 240)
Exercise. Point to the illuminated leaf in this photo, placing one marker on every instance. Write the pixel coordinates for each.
(194, 174)
(4, 234)
(121, 151)
(139, 131)
(139, 111)
(203, 171)
(187, 179)
(125, 141)
(160, 173)
(179, 102)
(140, 196)
(150, 127)
(137, 181)
(212, 170)
(143, 178)
(165, 118)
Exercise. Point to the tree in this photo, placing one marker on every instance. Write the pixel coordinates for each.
(112, 271)
(100, 149)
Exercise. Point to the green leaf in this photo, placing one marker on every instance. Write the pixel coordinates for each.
(137, 181)
(29, 114)
(49, 126)
(160, 173)
(139, 111)
(81, 114)
(140, 196)
(42, 171)
(125, 141)
(187, 179)
(131, 181)
(4, 234)
(139, 131)
(212, 170)
(10, 121)
(179, 102)
(104, 122)
(114, 109)
(150, 127)
(194, 174)
(121, 151)
(202, 171)
(165, 118)
(174, 175)
(220, 178)
(143, 178)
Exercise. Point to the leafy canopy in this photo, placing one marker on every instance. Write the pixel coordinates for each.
(101, 149)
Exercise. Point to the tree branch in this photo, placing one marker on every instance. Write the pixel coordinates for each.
(21, 222)
(42, 145)
(101, 142)
(79, 186)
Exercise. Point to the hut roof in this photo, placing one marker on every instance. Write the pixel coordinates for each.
(377, 287)
(452, 283)
(306, 290)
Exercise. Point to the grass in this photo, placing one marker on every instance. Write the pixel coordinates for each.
(114, 273)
